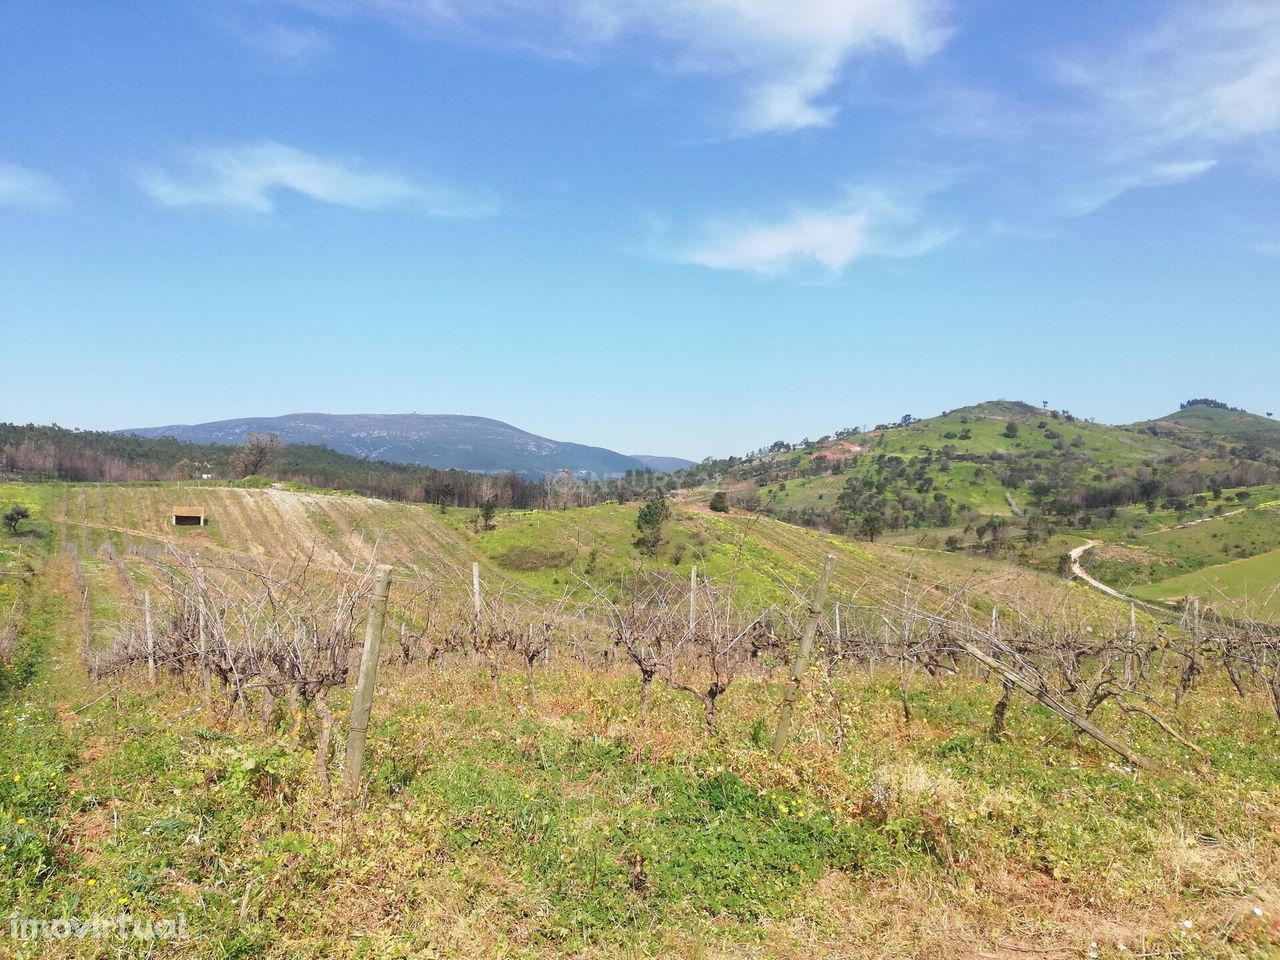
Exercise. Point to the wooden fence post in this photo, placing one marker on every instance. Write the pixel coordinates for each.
(362, 702)
(151, 637)
(86, 640)
(1133, 642)
(801, 663)
(693, 598)
(206, 673)
(478, 606)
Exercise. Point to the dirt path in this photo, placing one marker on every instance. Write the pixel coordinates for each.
(1192, 523)
(1078, 571)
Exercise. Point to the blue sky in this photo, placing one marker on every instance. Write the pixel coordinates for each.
(682, 227)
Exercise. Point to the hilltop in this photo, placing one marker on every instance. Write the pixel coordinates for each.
(991, 467)
(1217, 423)
(442, 441)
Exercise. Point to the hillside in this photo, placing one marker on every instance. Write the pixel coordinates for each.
(1001, 466)
(531, 806)
(443, 441)
(540, 553)
(58, 453)
(1218, 424)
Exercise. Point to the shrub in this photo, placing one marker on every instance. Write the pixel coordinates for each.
(649, 522)
(14, 516)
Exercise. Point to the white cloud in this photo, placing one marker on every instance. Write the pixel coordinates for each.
(249, 176)
(866, 223)
(290, 45)
(1098, 194)
(1201, 81)
(1210, 72)
(23, 187)
(832, 240)
(786, 57)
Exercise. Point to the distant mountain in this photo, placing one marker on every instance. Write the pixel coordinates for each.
(664, 464)
(434, 440)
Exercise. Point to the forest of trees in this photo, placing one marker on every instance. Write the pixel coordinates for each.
(1207, 402)
(89, 456)
(1062, 486)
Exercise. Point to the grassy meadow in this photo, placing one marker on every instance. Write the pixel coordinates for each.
(1248, 587)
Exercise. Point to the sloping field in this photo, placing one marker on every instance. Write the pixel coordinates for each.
(541, 816)
(557, 553)
(768, 561)
(335, 531)
(1247, 588)
(883, 575)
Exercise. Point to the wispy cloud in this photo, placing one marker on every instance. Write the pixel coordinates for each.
(249, 177)
(784, 57)
(865, 223)
(287, 44)
(1206, 73)
(1176, 98)
(1101, 192)
(23, 187)
(1268, 248)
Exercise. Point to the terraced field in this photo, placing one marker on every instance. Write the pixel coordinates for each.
(335, 531)
(543, 553)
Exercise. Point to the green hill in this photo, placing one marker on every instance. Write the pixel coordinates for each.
(996, 459)
(1006, 477)
(1212, 423)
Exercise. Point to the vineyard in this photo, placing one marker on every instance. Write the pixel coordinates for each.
(575, 747)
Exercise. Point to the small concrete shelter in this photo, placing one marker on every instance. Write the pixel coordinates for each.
(188, 517)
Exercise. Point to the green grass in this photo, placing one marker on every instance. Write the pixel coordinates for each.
(43, 500)
(549, 551)
(555, 553)
(1115, 446)
(1248, 587)
(491, 827)
(966, 483)
(1227, 557)
(571, 830)
(608, 841)
(551, 554)
(908, 465)
(1232, 426)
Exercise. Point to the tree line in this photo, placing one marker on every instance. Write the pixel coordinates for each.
(95, 456)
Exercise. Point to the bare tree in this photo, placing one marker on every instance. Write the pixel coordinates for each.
(256, 453)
